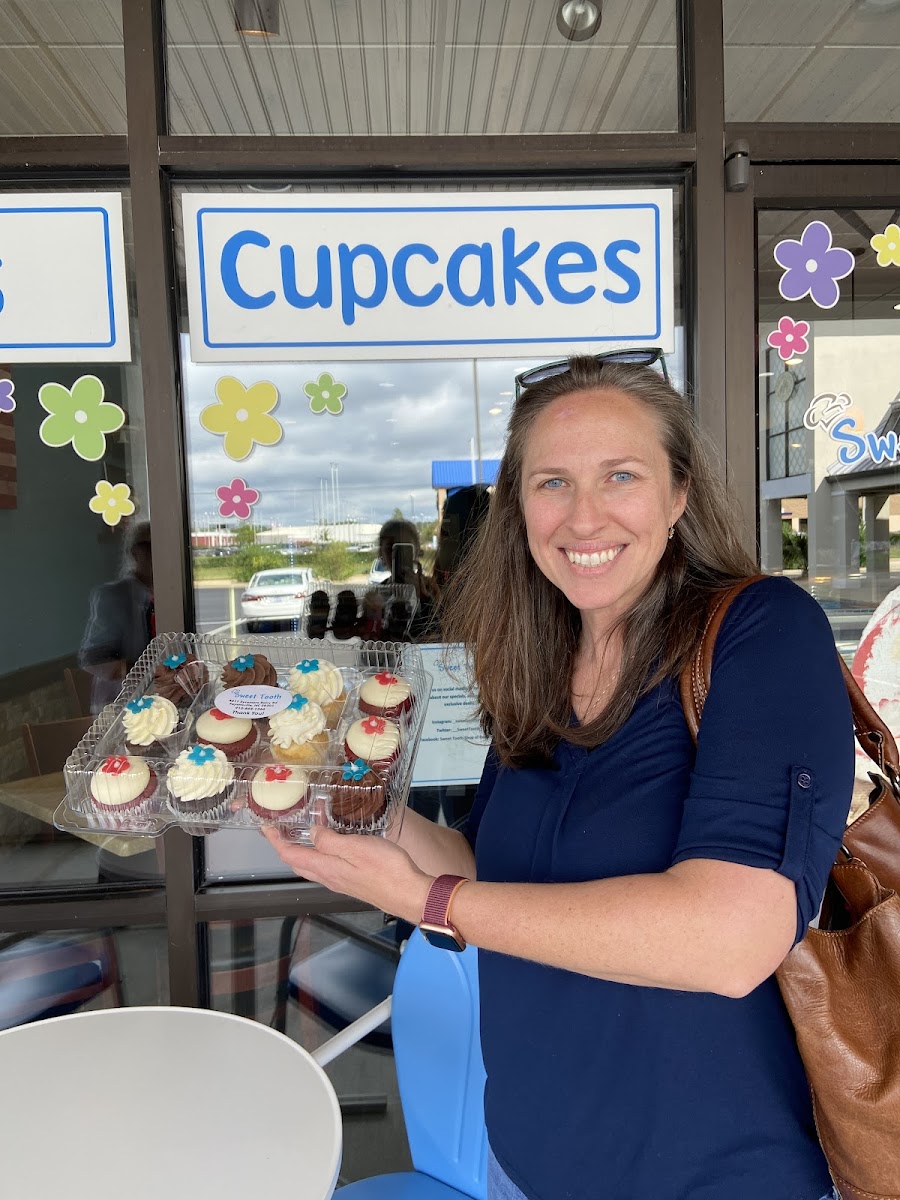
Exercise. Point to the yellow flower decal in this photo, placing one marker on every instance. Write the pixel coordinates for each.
(887, 246)
(112, 501)
(241, 415)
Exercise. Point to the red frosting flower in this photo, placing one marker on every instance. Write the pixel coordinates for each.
(385, 678)
(219, 715)
(373, 725)
(277, 774)
(116, 765)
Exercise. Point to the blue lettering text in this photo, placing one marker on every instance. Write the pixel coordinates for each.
(627, 274)
(555, 267)
(401, 283)
(840, 431)
(484, 294)
(230, 252)
(512, 273)
(322, 296)
(351, 299)
(882, 447)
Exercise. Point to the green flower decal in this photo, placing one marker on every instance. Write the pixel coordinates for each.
(79, 415)
(326, 394)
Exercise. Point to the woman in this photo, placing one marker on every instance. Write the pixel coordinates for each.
(631, 899)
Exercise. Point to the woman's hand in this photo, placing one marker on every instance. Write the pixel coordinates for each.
(367, 868)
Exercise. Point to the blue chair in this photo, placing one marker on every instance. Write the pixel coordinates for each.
(51, 976)
(437, 1048)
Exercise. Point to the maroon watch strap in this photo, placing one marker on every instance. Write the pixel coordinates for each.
(437, 906)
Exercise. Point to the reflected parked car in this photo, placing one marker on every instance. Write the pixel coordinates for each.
(379, 573)
(276, 595)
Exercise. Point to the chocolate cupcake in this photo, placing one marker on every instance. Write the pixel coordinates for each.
(236, 737)
(199, 781)
(357, 796)
(376, 740)
(122, 785)
(179, 678)
(278, 792)
(398, 621)
(248, 669)
(345, 615)
(319, 609)
(385, 695)
(371, 623)
(147, 721)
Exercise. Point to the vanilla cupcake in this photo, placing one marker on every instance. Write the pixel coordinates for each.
(149, 719)
(320, 681)
(122, 785)
(199, 781)
(236, 737)
(298, 734)
(278, 792)
(385, 695)
(375, 740)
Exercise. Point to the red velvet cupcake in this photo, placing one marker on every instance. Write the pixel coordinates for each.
(122, 785)
(236, 737)
(385, 695)
(375, 740)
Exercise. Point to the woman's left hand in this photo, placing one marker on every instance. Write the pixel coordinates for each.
(367, 868)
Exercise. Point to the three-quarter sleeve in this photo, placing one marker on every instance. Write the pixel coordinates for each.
(773, 775)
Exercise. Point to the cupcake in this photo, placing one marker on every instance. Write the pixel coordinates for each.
(320, 681)
(236, 737)
(357, 796)
(345, 613)
(371, 623)
(122, 784)
(297, 733)
(399, 619)
(375, 740)
(247, 669)
(278, 792)
(149, 719)
(385, 695)
(179, 678)
(319, 609)
(198, 782)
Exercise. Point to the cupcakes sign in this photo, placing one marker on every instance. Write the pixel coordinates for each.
(253, 701)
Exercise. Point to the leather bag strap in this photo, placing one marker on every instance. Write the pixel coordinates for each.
(871, 732)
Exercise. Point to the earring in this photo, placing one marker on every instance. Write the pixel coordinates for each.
(671, 532)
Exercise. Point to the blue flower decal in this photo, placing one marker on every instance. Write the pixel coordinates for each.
(201, 754)
(141, 705)
(298, 702)
(355, 770)
(174, 660)
(245, 662)
(308, 665)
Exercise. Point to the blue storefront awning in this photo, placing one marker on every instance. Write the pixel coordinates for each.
(453, 473)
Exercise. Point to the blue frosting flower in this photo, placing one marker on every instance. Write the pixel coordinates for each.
(174, 660)
(308, 665)
(355, 770)
(245, 662)
(298, 702)
(201, 754)
(141, 705)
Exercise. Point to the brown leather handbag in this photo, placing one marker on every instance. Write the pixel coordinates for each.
(841, 984)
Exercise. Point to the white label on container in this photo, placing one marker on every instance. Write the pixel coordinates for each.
(253, 701)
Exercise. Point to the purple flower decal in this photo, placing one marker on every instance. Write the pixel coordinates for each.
(7, 399)
(812, 266)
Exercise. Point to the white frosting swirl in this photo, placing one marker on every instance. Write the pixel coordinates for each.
(153, 721)
(114, 788)
(379, 745)
(381, 694)
(284, 791)
(294, 726)
(222, 730)
(323, 685)
(189, 780)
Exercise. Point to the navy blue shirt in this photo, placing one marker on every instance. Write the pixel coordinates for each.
(607, 1091)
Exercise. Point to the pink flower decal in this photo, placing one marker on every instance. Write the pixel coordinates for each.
(237, 499)
(789, 339)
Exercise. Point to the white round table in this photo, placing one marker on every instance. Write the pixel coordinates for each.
(163, 1104)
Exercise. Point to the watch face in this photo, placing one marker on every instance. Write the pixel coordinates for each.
(443, 939)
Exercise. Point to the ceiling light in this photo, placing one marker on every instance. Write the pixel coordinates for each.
(897, 308)
(579, 20)
(793, 362)
(385, 385)
(506, 393)
(257, 18)
(495, 412)
(766, 374)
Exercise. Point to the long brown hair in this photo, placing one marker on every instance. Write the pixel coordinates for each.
(520, 631)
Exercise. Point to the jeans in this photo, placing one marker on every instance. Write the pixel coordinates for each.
(501, 1187)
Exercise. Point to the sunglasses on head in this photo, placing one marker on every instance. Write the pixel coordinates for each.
(642, 357)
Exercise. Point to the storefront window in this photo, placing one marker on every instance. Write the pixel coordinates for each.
(76, 608)
(62, 68)
(819, 60)
(463, 67)
(829, 404)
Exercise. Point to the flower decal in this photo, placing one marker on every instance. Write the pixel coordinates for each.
(373, 725)
(276, 774)
(308, 666)
(140, 705)
(218, 715)
(887, 246)
(813, 266)
(385, 678)
(244, 662)
(355, 770)
(326, 394)
(174, 660)
(117, 764)
(79, 415)
(7, 399)
(201, 754)
(242, 416)
(237, 499)
(112, 501)
(298, 702)
(789, 339)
